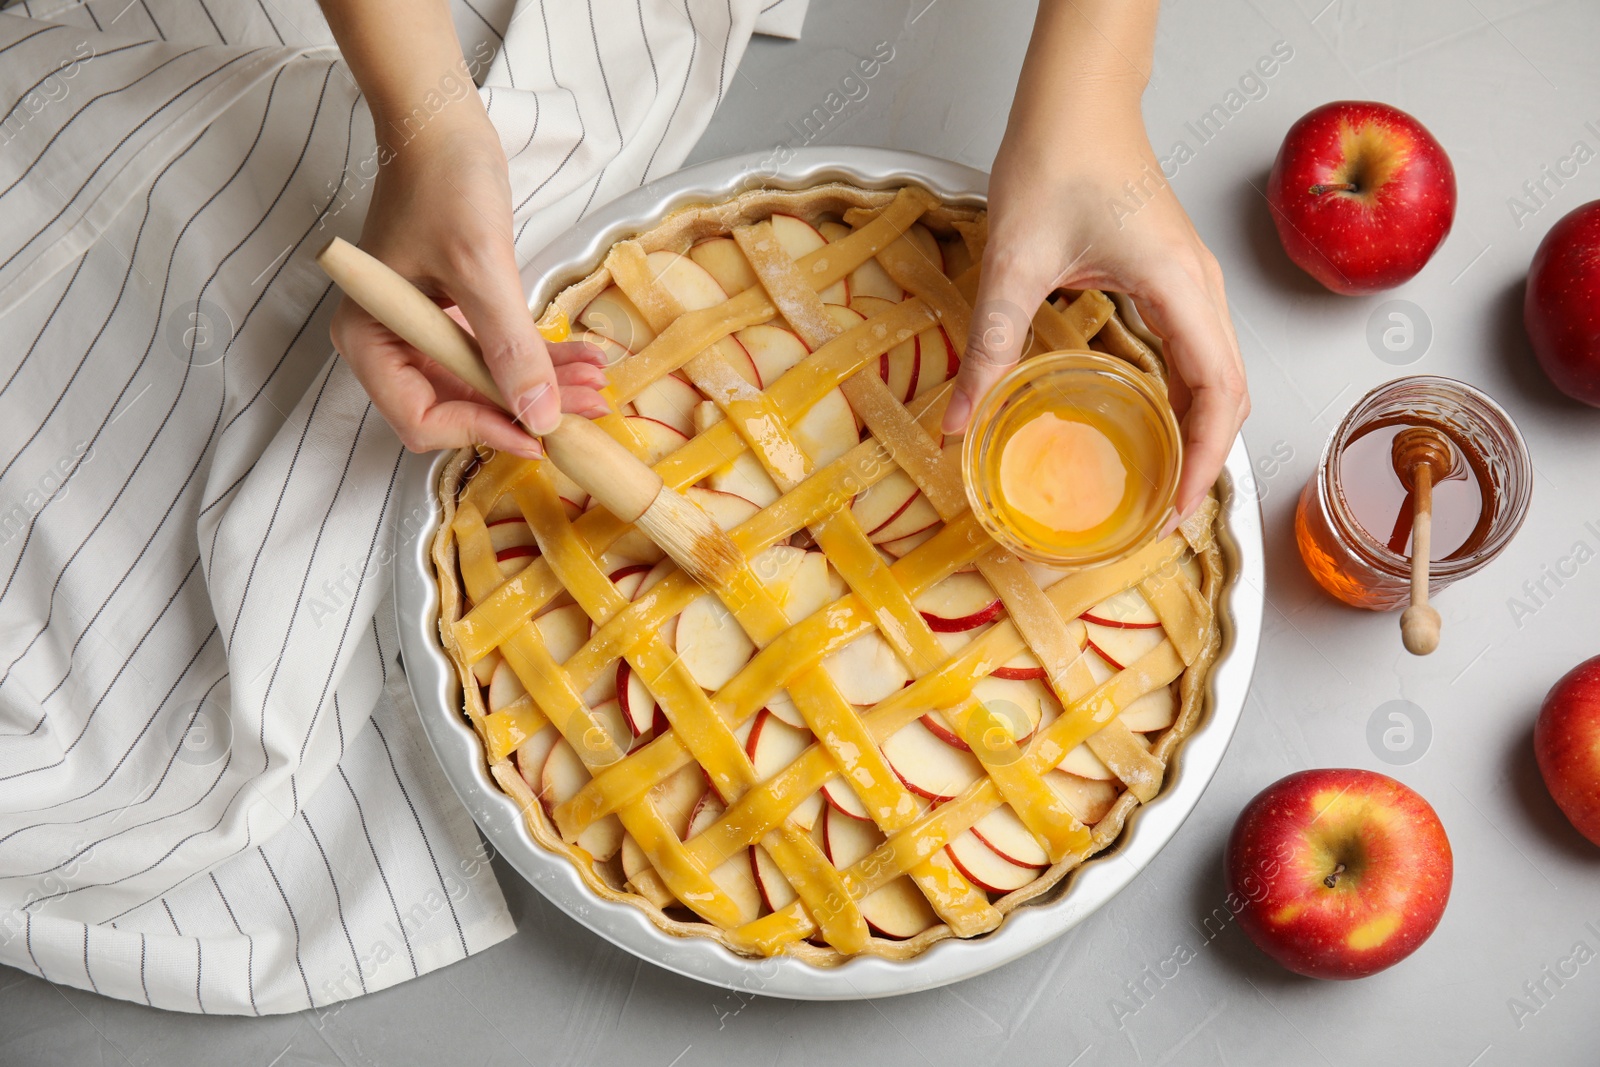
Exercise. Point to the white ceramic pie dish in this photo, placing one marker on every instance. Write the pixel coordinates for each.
(435, 688)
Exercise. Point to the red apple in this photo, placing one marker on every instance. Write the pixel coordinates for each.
(1561, 310)
(1566, 742)
(1362, 195)
(1339, 873)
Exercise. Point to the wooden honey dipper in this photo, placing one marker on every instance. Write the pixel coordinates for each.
(1422, 458)
(588, 455)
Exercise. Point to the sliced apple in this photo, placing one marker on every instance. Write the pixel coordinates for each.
(828, 430)
(937, 361)
(773, 349)
(986, 868)
(608, 713)
(867, 669)
(511, 533)
(659, 439)
(1012, 841)
(638, 705)
(670, 400)
(1099, 670)
(776, 891)
(783, 706)
(512, 561)
(711, 643)
(927, 244)
(745, 477)
(842, 796)
(869, 279)
(1156, 710)
(1127, 609)
(1122, 646)
(483, 670)
(898, 910)
(722, 259)
(564, 631)
(727, 510)
(734, 353)
(654, 576)
(773, 745)
(677, 797)
(906, 545)
(1082, 762)
(564, 774)
(799, 238)
(928, 766)
(1019, 705)
(898, 366)
(602, 692)
(735, 877)
(504, 508)
(878, 504)
(959, 602)
(918, 515)
(1087, 800)
(612, 315)
(1023, 667)
(687, 281)
(533, 752)
(627, 579)
(812, 586)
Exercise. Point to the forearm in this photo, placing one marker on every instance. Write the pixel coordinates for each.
(1086, 68)
(405, 56)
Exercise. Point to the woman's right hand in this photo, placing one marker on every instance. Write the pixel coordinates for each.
(441, 217)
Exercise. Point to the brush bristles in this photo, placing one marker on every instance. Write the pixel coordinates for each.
(690, 537)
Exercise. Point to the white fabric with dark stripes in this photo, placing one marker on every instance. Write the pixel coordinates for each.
(214, 793)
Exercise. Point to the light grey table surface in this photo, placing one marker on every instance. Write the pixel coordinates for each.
(1508, 88)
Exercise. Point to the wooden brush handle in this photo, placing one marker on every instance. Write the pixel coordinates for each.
(588, 455)
(403, 308)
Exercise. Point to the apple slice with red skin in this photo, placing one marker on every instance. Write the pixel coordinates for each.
(867, 669)
(1012, 841)
(928, 766)
(828, 430)
(671, 400)
(937, 361)
(897, 910)
(773, 349)
(627, 579)
(1088, 800)
(1340, 872)
(1156, 710)
(1099, 670)
(869, 279)
(773, 745)
(986, 868)
(959, 602)
(1018, 707)
(659, 439)
(727, 510)
(918, 515)
(1125, 610)
(878, 504)
(776, 892)
(799, 238)
(678, 797)
(563, 775)
(722, 258)
(898, 367)
(735, 877)
(842, 797)
(745, 477)
(906, 545)
(613, 316)
(511, 533)
(1123, 646)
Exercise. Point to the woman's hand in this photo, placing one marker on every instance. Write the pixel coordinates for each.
(1078, 201)
(441, 217)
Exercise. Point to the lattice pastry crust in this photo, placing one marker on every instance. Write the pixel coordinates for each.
(886, 730)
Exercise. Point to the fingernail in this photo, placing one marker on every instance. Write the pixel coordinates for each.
(539, 409)
(955, 415)
(531, 450)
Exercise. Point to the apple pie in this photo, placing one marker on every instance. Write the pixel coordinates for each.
(885, 729)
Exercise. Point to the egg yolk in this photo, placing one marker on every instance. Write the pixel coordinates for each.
(1062, 474)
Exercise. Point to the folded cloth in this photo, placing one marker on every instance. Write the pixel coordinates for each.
(214, 794)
